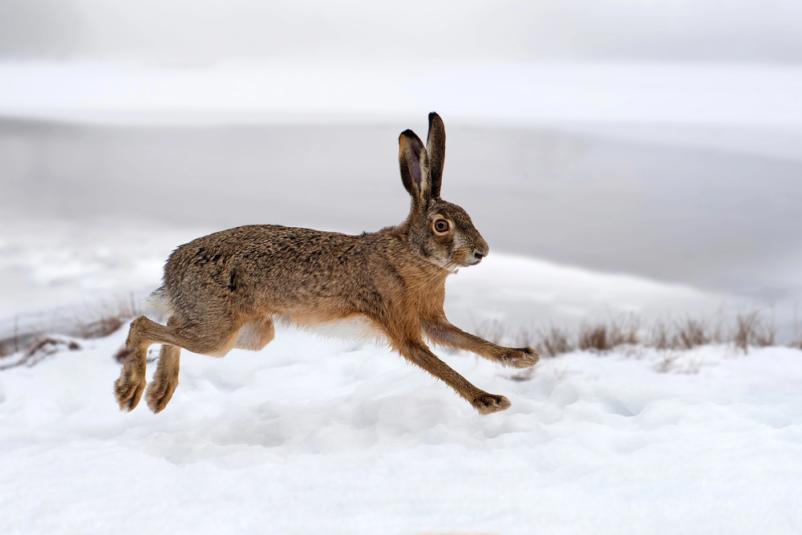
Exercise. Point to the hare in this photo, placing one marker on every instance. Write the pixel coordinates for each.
(226, 289)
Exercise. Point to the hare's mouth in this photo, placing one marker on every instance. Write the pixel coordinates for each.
(471, 257)
(471, 262)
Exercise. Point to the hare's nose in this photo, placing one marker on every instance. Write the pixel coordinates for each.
(478, 255)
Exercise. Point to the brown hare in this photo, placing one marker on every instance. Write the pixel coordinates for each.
(226, 289)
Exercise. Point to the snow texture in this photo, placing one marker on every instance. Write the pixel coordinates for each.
(515, 92)
(314, 435)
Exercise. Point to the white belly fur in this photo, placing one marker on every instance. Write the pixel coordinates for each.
(249, 337)
(355, 328)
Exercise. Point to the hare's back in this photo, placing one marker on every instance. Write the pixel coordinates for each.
(255, 255)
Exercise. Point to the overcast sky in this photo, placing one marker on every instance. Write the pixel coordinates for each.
(200, 32)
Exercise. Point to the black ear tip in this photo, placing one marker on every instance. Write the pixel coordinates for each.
(432, 116)
(410, 135)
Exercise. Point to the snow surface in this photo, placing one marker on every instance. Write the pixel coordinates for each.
(693, 104)
(708, 93)
(314, 435)
(328, 435)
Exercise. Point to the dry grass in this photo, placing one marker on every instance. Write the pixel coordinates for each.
(40, 350)
(593, 338)
(604, 337)
(750, 330)
(102, 327)
(107, 319)
(661, 337)
(95, 323)
(553, 341)
(690, 334)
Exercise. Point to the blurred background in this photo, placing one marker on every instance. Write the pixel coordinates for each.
(657, 140)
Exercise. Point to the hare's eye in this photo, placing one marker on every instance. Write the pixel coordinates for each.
(441, 226)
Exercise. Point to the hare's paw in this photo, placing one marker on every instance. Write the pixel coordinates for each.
(489, 403)
(128, 389)
(161, 391)
(521, 357)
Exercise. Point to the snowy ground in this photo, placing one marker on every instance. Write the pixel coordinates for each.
(315, 435)
(318, 435)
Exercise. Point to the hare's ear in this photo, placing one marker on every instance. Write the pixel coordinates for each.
(436, 147)
(414, 163)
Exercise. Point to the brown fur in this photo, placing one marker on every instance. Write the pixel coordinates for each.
(225, 289)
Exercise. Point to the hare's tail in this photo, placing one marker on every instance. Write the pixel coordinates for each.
(158, 304)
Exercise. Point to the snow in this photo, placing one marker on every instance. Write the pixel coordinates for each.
(316, 435)
(49, 262)
(717, 93)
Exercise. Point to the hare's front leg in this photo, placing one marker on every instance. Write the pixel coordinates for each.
(418, 353)
(442, 332)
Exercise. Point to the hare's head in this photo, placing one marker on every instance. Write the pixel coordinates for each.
(440, 231)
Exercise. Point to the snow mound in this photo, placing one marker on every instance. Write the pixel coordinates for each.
(314, 435)
(527, 294)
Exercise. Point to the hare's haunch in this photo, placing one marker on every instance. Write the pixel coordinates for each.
(225, 290)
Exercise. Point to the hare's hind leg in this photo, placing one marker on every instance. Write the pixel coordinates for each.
(129, 386)
(165, 380)
(207, 339)
(253, 335)
(210, 338)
